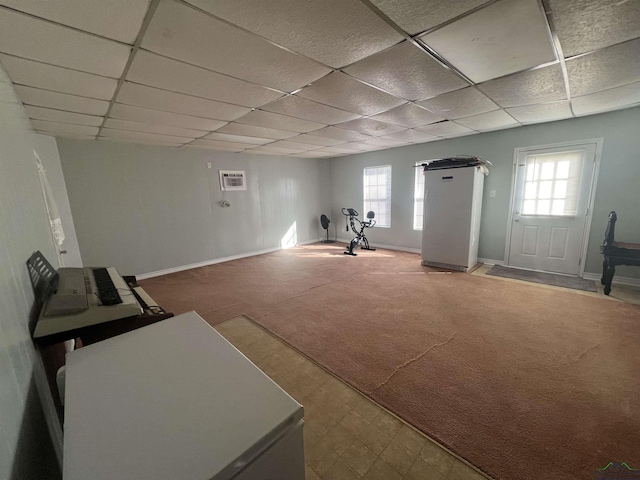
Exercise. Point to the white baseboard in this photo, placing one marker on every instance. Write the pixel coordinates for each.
(387, 247)
(634, 282)
(489, 261)
(182, 268)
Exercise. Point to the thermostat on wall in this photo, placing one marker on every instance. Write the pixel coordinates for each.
(232, 180)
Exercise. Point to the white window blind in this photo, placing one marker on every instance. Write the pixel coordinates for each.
(552, 183)
(377, 194)
(418, 198)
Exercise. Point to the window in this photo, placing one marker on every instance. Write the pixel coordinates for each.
(377, 194)
(418, 197)
(551, 184)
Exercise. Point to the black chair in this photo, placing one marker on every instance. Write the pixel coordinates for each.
(616, 253)
(324, 220)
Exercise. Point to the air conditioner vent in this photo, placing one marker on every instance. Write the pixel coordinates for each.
(233, 180)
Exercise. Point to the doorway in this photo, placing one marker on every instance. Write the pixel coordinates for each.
(551, 206)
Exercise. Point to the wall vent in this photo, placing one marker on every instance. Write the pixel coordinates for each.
(232, 180)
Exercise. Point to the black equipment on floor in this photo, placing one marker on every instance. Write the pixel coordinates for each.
(351, 217)
(616, 253)
(324, 220)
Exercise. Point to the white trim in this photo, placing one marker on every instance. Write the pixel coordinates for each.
(386, 247)
(635, 282)
(599, 142)
(489, 261)
(182, 268)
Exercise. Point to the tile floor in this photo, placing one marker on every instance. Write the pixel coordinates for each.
(346, 435)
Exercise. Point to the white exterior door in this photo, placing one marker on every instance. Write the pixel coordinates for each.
(551, 207)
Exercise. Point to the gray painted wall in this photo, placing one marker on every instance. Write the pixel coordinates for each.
(617, 187)
(145, 209)
(26, 450)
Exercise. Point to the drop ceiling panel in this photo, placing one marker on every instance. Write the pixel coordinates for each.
(109, 132)
(58, 79)
(281, 151)
(139, 141)
(299, 107)
(341, 91)
(146, 128)
(156, 117)
(219, 148)
(445, 129)
(546, 112)
(415, 17)
(587, 25)
(541, 85)
(335, 150)
(340, 134)
(25, 36)
(371, 127)
(361, 147)
(619, 97)
(56, 128)
(116, 19)
(384, 142)
(495, 40)
(488, 121)
(408, 115)
(282, 122)
(461, 103)
(181, 32)
(143, 96)
(333, 32)
(51, 115)
(225, 137)
(411, 136)
(67, 135)
(221, 145)
(318, 141)
(406, 71)
(61, 101)
(254, 131)
(612, 67)
(156, 71)
(293, 145)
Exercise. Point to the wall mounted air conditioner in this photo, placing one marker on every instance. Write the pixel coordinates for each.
(232, 180)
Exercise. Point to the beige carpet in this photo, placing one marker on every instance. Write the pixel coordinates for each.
(521, 381)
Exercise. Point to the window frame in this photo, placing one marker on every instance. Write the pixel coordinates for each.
(418, 202)
(387, 201)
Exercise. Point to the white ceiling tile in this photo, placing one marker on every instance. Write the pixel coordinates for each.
(312, 154)
(146, 128)
(225, 137)
(299, 107)
(406, 71)
(611, 67)
(318, 141)
(384, 142)
(116, 19)
(336, 150)
(61, 101)
(58, 79)
(341, 91)
(293, 145)
(495, 40)
(541, 85)
(370, 127)
(181, 32)
(156, 117)
(408, 115)
(587, 25)
(169, 74)
(488, 121)
(67, 135)
(619, 97)
(275, 120)
(361, 147)
(251, 151)
(254, 131)
(51, 115)
(414, 16)
(112, 133)
(143, 96)
(29, 37)
(461, 103)
(56, 128)
(445, 129)
(334, 32)
(411, 136)
(219, 148)
(341, 134)
(279, 150)
(203, 142)
(139, 141)
(545, 112)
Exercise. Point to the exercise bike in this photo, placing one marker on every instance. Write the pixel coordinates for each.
(360, 236)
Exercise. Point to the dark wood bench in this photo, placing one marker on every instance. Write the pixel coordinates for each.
(616, 253)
